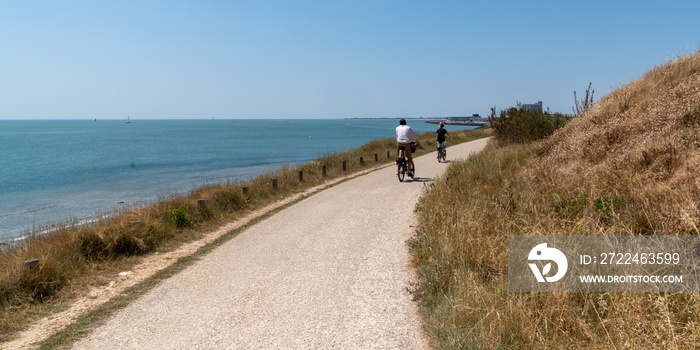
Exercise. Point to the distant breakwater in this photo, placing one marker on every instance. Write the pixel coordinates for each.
(481, 125)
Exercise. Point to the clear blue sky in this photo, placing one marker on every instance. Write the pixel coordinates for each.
(325, 59)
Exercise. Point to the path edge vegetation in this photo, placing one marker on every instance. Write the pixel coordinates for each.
(75, 257)
(637, 151)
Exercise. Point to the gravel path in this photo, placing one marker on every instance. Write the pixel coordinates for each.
(327, 272)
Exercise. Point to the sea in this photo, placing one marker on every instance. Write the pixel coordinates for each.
(55, 171)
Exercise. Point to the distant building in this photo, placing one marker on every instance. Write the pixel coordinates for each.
(537, 107)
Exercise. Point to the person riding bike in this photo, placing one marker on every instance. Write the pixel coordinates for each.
(404, 135)
(441, 135)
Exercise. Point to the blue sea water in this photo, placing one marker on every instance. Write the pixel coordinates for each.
(52, 171)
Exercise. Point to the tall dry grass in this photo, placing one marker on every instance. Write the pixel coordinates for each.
(629, 165)
(75, 257)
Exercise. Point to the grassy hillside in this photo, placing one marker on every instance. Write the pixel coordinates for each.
(629, 165)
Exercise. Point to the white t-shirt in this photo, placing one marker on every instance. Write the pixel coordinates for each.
(404, 133)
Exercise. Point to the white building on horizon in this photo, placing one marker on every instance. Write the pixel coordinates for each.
(537, 107)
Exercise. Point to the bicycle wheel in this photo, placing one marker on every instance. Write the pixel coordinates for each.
(439, 155)
(401, 172)
(443, 155)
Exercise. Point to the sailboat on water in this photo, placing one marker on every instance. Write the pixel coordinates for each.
(128, 120)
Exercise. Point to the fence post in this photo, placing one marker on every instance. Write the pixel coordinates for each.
(323, 169)
(362, 162)
(31, 264)
(274, 184)
(387, 155)
(244, 189)
(344, 168)
(301, 175)
(376, 158)
(201, 203)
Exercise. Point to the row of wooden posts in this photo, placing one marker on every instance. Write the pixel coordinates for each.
(201, 202)
(323, 170)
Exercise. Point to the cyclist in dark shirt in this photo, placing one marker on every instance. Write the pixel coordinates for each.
(441, 135)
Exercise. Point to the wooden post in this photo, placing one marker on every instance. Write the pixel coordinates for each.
(244, 189)
(344, 168)
(387, 155)
(31, 264)
(274, 184)
(362, 162)
(376, 158)
(201, 203)
(323, 170)
(301, 175)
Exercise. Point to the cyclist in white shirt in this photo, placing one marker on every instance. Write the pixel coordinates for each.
(404, 135)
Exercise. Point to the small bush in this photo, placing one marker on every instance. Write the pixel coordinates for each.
(607, 205)
(434, 277)
(586, 104)
(181, 218)
(43, 282)
(125, 243)
(518, 124)
(90, 245)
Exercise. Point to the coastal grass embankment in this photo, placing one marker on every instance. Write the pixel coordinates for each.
(628, 165)
(76, 257)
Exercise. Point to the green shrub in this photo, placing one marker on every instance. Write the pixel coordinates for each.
(607, 205)
(181, 218)
(518, 124)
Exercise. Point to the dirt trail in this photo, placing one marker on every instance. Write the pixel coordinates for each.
(328, 272)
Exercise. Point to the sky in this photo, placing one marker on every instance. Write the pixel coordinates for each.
(325, 59)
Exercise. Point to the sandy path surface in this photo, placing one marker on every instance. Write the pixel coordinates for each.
(327, 272)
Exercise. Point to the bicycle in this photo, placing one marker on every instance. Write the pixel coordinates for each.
(441, 154)
(402, 164)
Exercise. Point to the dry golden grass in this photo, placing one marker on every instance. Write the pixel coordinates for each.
(640, 146)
